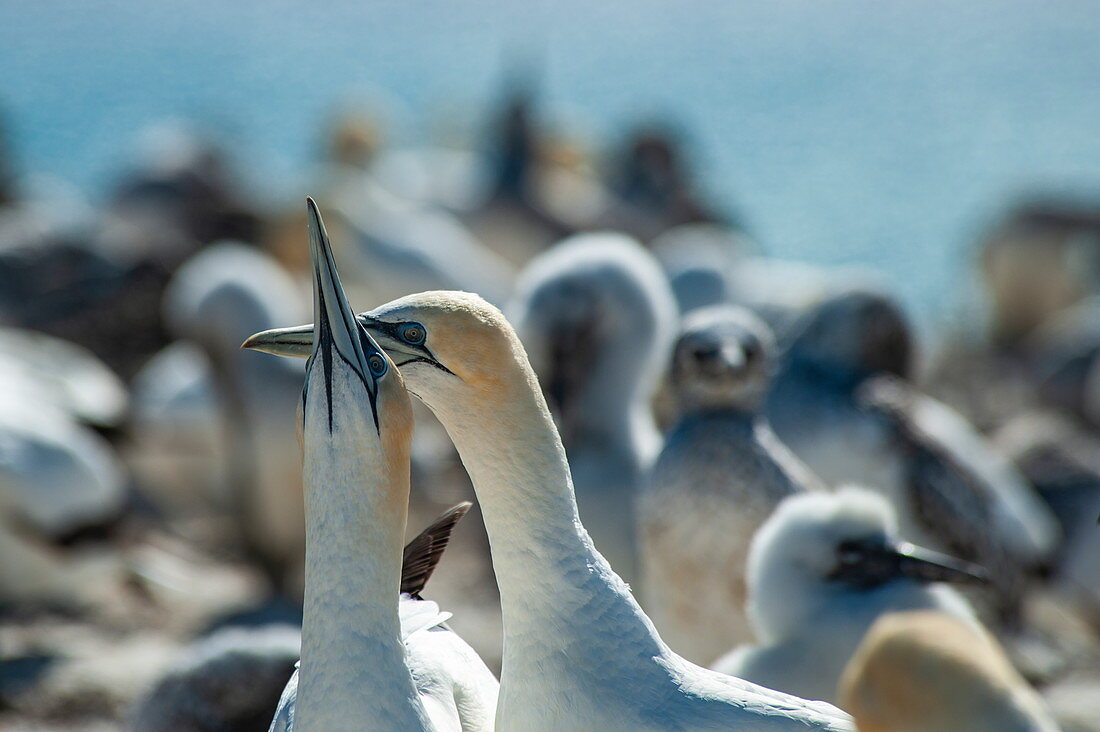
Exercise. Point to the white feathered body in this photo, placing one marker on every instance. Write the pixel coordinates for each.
(810, 663)
(606, 669)
(456, 688)
(579, 653)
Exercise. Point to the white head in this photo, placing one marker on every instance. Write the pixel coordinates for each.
(724, 359)
(597, 317)
(457, 353)
(819, 547)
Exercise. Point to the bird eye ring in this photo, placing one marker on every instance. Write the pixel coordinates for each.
(377, 364)
(413, 333)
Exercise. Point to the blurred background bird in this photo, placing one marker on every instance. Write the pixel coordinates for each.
(596, 316)
(925, 670)
(823, 568)
(721, 473)
(898, 235)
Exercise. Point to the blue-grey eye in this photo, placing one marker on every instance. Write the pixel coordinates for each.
(413, 333)
(377, 364)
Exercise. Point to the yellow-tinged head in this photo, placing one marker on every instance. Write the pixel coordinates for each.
(448, 345)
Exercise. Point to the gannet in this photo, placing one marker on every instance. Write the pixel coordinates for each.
(52, 371)
(579, 653)
(58, 478)
(721, 473)
(1060, 357)
(370, 658)
(821, 570)
(843, 403)
(597, 319)
(926, 671)
(56, 475)
(219, 415)
(234, 678)
(423, 248)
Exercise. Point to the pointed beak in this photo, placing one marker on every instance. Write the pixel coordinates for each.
(733, 358)
(876, 565)
(294, 342)
(330, 305)
(297, 342)
(340, 336)
(925, 565)
(339, 331)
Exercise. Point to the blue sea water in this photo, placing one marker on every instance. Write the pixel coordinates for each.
(874, 132)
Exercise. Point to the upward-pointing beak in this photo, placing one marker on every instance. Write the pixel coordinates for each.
(297, 342)
(340, 335)
(339, 329)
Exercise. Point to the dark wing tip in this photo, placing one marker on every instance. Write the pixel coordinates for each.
(422, 554)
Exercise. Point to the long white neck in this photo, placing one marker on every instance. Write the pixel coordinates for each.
(353, 673)
(557, 591)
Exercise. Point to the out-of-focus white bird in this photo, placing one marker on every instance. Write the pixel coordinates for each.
(226, 401)
(57, 478)
(597, 319)
(579, 653)
(822, 569)
(720, 475)
(370, 657)
(843, 403)
(417, 249)
(55, 475)
(927, 671)
(37, 367)
(177, 450)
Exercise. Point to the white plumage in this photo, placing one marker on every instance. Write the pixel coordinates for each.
(579, 653)
(455, 687)
(48, 370)
(369, 659)
(597, 319)
(823, 568)
(215, 424)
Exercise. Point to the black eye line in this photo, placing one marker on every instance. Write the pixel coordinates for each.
(393, 330)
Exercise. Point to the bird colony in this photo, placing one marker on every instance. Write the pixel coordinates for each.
(703, 489)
